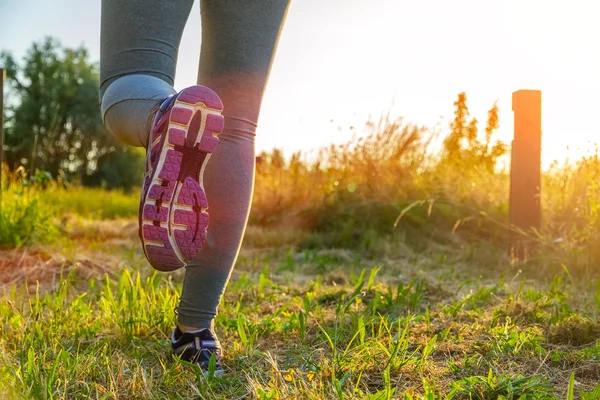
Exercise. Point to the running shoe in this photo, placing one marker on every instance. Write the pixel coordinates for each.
(173, 218)
(197, 347)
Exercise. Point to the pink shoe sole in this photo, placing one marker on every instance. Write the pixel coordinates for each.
(173, 206)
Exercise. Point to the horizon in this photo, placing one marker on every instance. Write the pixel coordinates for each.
(359, 74)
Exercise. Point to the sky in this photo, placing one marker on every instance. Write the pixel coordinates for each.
(341, 62)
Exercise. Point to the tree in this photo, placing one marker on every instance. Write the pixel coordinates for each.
(53, 117)
(115, 170)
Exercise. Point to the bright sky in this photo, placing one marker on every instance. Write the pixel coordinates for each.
(344, 60)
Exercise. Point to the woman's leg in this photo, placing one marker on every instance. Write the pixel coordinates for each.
(139, 44)
(140, 41)
(239, 38)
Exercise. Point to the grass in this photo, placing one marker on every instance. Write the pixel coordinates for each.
(305, 324)
(376, 269)
(33, 208)
(91, 203)
(23, 219)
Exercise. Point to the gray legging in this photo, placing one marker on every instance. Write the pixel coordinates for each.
(139, 46)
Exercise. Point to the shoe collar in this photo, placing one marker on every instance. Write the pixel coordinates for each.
(178, 333)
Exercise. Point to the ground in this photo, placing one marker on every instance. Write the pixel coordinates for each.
(86, 317)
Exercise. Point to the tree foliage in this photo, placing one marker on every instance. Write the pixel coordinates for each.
(53, 119)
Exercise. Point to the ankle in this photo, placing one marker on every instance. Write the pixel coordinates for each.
(187, 328)
(196, 326)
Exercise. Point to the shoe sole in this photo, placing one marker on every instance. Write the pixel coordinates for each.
(218, 372)
(173, 209)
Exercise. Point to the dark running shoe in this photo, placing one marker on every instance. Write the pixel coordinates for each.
(197, 347)
(173, 206)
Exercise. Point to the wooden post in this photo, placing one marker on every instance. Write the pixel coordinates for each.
(2, 78)
(525, 169)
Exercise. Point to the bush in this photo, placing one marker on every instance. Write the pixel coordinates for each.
(91, 202)
(119, 169)
(23, 217)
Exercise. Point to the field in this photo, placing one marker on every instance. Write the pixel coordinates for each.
(387, 277)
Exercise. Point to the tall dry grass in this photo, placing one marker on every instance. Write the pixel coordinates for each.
(363, 186)
(396, 180)
(373, 168)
